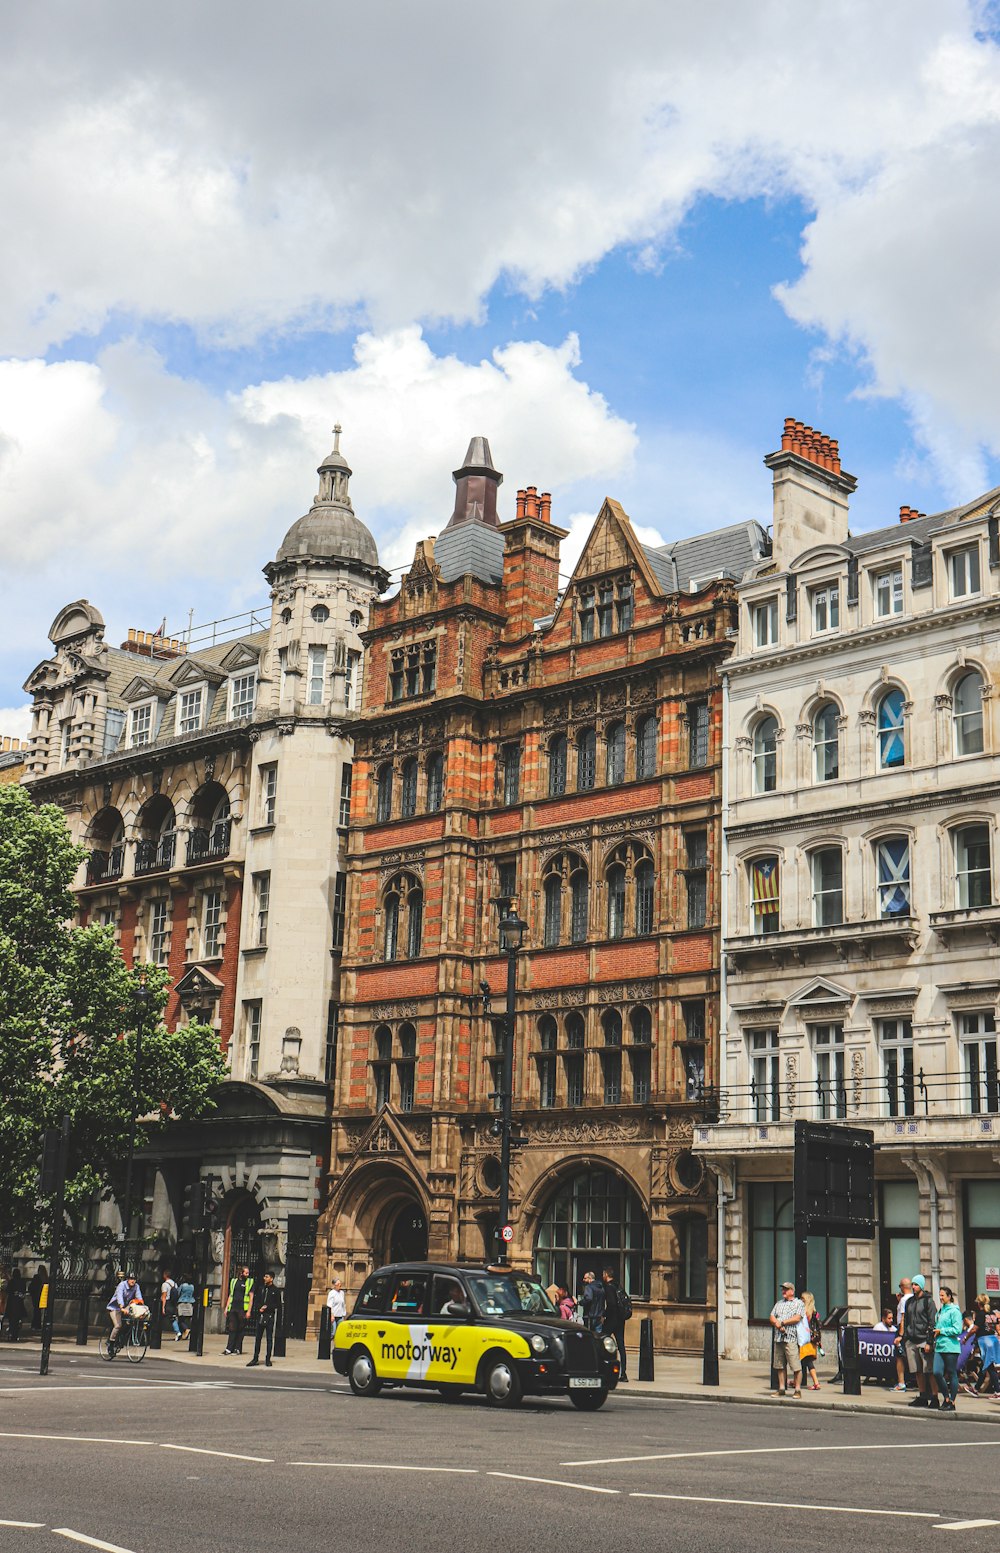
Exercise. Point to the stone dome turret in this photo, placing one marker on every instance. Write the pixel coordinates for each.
(329, 531)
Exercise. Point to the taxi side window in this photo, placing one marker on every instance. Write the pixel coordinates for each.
(450, 1299)
(372, 1296)
(409, 1294)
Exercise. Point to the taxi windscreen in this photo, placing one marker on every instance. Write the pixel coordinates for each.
(504, 1294)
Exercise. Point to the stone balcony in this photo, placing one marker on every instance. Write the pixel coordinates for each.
(890, 936)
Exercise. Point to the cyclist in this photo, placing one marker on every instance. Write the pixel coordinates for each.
(127, 1292)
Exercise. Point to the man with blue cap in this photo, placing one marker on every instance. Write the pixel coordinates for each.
(919, 1320)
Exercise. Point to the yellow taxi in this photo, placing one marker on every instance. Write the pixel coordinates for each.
(487, 1329)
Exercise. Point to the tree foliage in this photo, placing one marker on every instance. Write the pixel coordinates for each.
(68, 1029)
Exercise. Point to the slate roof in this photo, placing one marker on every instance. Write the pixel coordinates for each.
(919, 530)
(695, 561)
(470, 547)
(123, 667)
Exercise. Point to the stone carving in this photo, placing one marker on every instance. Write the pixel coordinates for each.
(587, 1132)
(680, 1127)
(384, 1011)
(420, 1133)
(411, 858)
(642, 692)
(612, 993)
(791, 1078)
(858, 1078)
(612, 697)
(554, 712)
(584, 704)
(382, 744)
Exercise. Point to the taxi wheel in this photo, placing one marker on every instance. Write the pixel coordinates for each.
(589, 1401)
(361, 1374)
(501, 1381)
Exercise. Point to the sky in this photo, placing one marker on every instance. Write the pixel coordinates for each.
(621, 240)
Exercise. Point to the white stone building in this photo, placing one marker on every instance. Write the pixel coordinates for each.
(860, 877)
(210, 779)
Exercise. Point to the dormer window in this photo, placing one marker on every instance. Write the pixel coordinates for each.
(826, 608)
(765, 623)
(963, 569)
(242, 695)
(190, 711)
(888, 591)
(140, 725)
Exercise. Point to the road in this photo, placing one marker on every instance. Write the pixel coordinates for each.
(154, 1460)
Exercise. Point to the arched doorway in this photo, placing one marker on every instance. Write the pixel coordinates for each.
(593, 1220)
(243, 1244)
(407, 1236)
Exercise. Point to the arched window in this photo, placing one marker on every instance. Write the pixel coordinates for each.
(611, 1024)
(568, 869)
(557, 765)
(826, 743)
(383, 809)
(641, 1022)
(645, 746)
(406, 1067)
(891, 730)
(381, 1070)
(586, 760)
(614, 740)
(630, 886)
(967, 702)
(435, 782)
(611, 1057)
(576, 1032)
(548, 1035)
(403, 910)
(157, 828)
(765, 755)
(594, 1220)
(573, 1060)
(408, 797)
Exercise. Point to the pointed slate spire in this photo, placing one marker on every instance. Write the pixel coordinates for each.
(476, 487)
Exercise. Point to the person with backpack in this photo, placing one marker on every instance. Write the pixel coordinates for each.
(168, 1303)
(919, 1321)
(617, 1310)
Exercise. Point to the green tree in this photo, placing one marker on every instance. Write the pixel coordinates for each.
(68, 1015)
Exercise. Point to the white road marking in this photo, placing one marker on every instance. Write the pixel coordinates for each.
(91, 1542)
(385, 1466)
(587, 1488)
(25, 1525)
(80, 1439)
(786, 1504)
(784, 1450)
(963, 1525)
(199, 1450)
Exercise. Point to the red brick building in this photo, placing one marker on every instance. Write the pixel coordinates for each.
(560, 745)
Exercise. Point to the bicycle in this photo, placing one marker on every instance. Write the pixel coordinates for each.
(132, 1339)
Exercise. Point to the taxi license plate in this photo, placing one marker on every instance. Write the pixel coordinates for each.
(590, 1382)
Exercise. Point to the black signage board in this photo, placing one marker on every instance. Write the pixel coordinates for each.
(834, 1180)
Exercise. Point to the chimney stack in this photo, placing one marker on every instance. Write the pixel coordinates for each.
(811, 492)
(907, 514)
(530, 562)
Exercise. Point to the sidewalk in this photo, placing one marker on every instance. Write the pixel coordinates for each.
(740, 1381)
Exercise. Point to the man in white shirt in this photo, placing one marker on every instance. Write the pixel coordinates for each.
(905, 1291)
(336, 1304)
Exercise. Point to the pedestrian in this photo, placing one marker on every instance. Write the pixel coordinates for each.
(888, 1322)
(947, 1347)
(810, 1348)
(905, 1291)
(4, 1280)
(265, 1311)
(39, 1279)
(617, 1309)
(989, 1344)
(785, 1317)
(918, 1332)
(238, 1307)
(168, 1302)
(593, 1303)
(15, 1304)
(336, 1302)
(185, 1307)
(566, 1304)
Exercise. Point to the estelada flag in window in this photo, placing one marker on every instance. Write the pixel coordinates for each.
(765, 886)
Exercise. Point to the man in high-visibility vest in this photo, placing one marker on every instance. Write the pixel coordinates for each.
(238, 1307)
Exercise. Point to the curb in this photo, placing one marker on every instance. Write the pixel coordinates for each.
(841, 1405)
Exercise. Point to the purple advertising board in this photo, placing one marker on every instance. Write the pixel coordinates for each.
(877, 1353)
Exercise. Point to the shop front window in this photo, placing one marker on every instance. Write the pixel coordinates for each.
(595, 1220)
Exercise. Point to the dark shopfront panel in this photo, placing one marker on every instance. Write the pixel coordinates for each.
(772, 1253)
(899, 1237)
(982, 1237)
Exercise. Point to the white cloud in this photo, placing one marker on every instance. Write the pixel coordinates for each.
(15, 721)
(121, 482)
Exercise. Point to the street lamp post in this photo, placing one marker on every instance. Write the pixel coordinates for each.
(511, 933)
(144, 997)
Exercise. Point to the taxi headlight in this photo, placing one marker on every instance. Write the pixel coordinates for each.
(537, 1343)
(610, 1346)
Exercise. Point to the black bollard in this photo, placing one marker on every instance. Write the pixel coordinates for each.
(850, 1361)
(83, 1321)
(156, 1324)
(325, 1334)
(775, 1372)
(279, 1335)
(710, 1355)
(646, 1348)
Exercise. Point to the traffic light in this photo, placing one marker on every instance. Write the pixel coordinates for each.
(52, 1165)
(195, 1194)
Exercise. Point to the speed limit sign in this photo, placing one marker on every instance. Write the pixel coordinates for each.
(507, 1233)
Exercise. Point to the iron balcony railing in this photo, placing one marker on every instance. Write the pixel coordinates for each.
(156, 854)
(974, 1092)
(205, 845)
(105, 866)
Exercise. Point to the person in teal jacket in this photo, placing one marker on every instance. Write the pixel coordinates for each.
(947, 1347)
